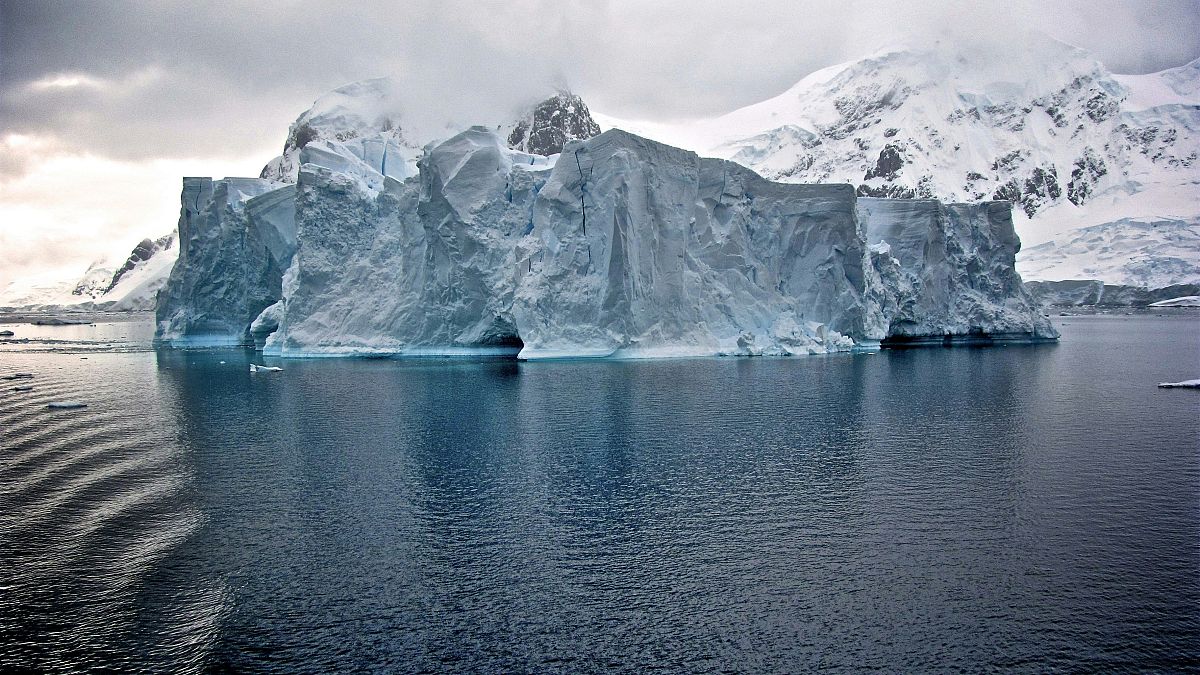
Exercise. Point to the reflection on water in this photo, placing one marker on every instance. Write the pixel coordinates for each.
(924, 509)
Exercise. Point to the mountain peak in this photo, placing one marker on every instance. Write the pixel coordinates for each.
(546, 127)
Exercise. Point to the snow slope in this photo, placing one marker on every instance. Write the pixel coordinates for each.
(1185, 301)
(1046, 126)
(110, 285)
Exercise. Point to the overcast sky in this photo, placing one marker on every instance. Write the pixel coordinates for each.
(103, 106)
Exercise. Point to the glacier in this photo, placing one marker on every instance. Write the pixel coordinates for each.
(614, 246)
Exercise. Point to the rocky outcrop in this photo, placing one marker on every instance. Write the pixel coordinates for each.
(549, 125)
(143, 252)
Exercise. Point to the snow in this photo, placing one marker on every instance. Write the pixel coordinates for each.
(963, 124)
(1129, 251)
(1186, 384)
(1175, 86)
(1185, 301)
(95, 290)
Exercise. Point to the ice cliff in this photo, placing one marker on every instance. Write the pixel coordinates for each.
(947, 270)
(236, 236)
(619, 246)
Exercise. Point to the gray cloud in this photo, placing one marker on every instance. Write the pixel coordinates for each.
(175, 79)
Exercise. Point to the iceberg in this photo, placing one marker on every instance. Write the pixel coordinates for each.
(947, 272)
(641, 249)
(1183, 301)
(1186, 384)
(235, 237)
(615, 246)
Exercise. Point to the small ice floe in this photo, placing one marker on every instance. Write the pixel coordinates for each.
(1186, 384)
(1182, 301)
(66, 405)
(22, 388)
(17, 376)
(6, 333)
(265, 369)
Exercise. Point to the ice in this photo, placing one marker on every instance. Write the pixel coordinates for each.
(619, 247)
(236, 236)
(948, 269)
(1185, 301)
(642, 249)
(1186, 384)
(254, 368)
(66, 405)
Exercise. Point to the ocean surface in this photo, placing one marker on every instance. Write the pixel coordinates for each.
(1025, 509)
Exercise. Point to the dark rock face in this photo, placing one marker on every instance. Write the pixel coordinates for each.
(1084, 174)
(1039, 189)
(888, 165)
(551, 123)
(886, 191)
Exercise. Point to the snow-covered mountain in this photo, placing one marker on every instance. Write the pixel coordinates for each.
(1046, 127)
(110, 285)
(1102, 168)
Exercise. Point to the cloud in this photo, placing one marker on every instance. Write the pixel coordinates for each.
(100, 95)
(155, 78)
(68, 210)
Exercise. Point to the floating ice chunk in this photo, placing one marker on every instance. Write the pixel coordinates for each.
(1185, 301)
(17, 376)
(6, 333)
(1186, 384)
(254, 368)
(22, 388)
(66, 405)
